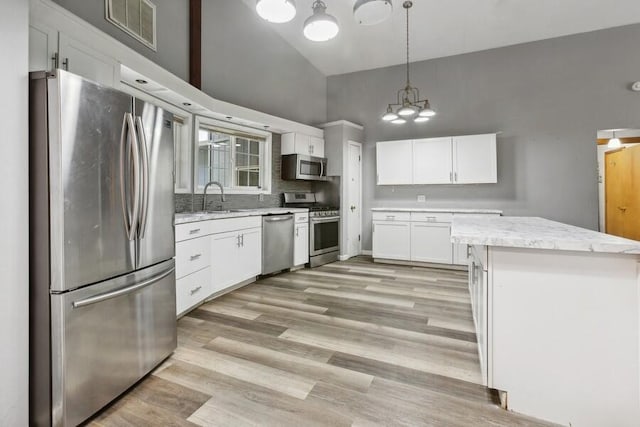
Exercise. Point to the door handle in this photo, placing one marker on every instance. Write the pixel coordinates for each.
(130, 213)
(622, 208)
(353, 208)
(145, 176)
(278, 218)
(113, 294)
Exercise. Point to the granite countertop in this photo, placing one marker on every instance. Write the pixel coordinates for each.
(183, 218)
(453, 210)
(536, 233)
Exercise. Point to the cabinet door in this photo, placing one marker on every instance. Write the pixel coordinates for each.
(394, 162)
(432, 161)
(250, 260)
(392, 240)
(475, 159)
(316, 146)
(301, 245)
(431, 242)
(43, 46)
(83, 60)
(225, 260)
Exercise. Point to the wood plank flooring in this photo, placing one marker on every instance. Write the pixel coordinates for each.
(347, 344)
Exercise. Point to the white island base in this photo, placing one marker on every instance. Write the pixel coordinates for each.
(563, 334)
(557, 318)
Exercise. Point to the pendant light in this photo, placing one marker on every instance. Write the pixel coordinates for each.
(614, 142)
(320, 26)
(408, 101)
(372, 12)
(276, 11)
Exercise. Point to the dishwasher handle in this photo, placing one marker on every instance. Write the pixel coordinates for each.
(278, 218)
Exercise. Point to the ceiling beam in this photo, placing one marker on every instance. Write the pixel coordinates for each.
(195, 43)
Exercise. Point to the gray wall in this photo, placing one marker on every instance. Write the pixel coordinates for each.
(189, 202)
(245, 62)
(548, 98)
(172, 31)
(14, 217)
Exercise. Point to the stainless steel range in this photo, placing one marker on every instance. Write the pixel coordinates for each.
(324, 227)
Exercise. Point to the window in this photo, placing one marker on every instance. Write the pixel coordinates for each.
(182, 154)
(135, 17)
(237, 158)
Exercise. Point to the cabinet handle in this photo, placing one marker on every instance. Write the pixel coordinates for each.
(65, 64)
(431, 218)
(455, 176)
(195, 257)
(242, 240)
(391, 217)
(197, 230)
(54, 60)
(195, 290)
(238, 240)
(468, 251)
(297, 231)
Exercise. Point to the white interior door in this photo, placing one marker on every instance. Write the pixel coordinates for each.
(354, 200)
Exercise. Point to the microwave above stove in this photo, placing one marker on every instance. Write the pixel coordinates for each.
(303, 167)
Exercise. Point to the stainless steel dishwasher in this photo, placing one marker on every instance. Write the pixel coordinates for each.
(277, 243)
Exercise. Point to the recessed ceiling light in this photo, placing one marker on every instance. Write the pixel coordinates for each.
(141, 81)
(186, 104)
(266, 126)
(372, 12)
(229, 117)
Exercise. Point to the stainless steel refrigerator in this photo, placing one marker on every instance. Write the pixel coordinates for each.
(102, 282)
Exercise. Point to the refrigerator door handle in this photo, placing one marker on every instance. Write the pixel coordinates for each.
(113, 294)
(144, 148)
(129, 152)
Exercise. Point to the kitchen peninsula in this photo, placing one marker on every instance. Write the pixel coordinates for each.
(556, 309)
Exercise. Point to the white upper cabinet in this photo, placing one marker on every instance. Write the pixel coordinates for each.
(475, 159)
(468, 159)
(297, 143)
(395, 162)
(81, 59)
(432, 159)
(43, 46)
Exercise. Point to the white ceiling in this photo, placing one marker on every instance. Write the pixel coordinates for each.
(448, 27)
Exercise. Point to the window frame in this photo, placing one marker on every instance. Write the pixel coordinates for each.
(265, 157)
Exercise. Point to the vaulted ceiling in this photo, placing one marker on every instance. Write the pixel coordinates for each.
(448, 27)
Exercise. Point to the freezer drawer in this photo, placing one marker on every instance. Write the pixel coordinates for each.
(107, 336)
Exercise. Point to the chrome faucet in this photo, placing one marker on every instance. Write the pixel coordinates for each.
(206, 187)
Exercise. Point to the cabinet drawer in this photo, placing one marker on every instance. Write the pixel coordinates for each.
(302, 218)
(191, 230)
(234, 224)
(192, 289)
(431, 216)
(391, 216)
(192, 255)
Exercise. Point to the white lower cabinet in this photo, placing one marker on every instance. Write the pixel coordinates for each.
(460, 254)
(431, 242)
(392, 240)
(192, 289)
(214, 255)
(301, 245)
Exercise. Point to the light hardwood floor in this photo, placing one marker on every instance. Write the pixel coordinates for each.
(347, 344)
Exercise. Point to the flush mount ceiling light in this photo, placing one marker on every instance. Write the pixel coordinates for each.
(372, 12)
(320, 26)
(276, 11)
(408, 103)
(614, 142)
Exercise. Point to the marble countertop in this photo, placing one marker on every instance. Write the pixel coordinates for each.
(183, 218)
(453, 210)
(536, 233)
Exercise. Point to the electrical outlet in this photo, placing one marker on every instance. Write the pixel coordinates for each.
(261, 197)
(422, 198)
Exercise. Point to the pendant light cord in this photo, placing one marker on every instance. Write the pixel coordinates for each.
(408, 83)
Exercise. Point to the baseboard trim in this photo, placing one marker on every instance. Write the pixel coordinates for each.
(421, 264)
(343, 257)
(367, 252)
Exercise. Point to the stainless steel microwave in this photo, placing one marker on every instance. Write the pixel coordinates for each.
(302, 167)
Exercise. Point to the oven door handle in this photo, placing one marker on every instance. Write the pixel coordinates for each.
(325, 219)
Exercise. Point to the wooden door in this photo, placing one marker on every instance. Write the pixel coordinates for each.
(622, 184)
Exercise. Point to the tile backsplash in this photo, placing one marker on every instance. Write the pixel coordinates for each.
(193, 202)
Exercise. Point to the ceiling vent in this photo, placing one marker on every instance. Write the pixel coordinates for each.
(135, 17)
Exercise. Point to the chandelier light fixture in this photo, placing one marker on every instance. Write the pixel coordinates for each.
(276, 11)
(408, 105)
(614, 142)
(320, 27)
(372, 12)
